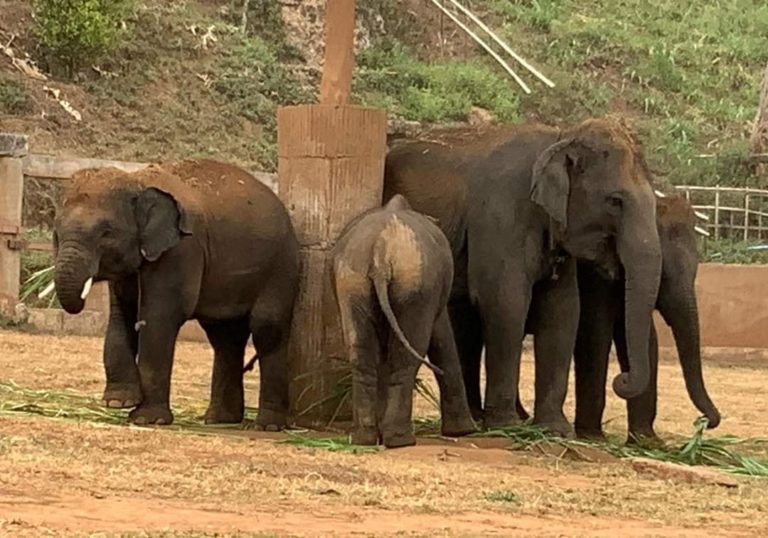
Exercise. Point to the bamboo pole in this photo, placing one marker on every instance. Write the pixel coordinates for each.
(485, 46)
(503, 44)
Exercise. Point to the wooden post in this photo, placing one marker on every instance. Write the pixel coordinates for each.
(330, 169)
(12, 148)
(339, 52)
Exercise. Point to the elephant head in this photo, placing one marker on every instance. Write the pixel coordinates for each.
(595, 185)
(677, 296)
(109, 223)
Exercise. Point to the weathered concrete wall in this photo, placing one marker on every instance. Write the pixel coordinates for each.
(733, 306)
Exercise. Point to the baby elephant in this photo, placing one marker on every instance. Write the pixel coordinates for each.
(392, 273)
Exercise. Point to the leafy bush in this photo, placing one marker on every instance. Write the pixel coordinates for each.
(730, 251)
(13, 97)
(72, 33)
(390, 75)
(254, 82)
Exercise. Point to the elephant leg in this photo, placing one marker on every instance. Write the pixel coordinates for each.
(503, 310)
(556, 303)
(169, 293)
(271, 341)
(593, 348)
(364, 352)
(229, 339)
(400, 369)
(520, 408)
(456, 419)
(641, 410)
(121, 345)
(157, 343)
(468, 332)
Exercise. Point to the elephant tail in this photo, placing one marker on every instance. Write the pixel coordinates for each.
(381, 285)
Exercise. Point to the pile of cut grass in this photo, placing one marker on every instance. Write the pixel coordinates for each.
(77, 407)
(696, 450)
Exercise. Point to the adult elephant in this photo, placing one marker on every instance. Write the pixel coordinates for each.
(518, 205)
(196, 239)
(603, 322)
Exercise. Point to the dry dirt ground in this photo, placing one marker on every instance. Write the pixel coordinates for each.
(65, 478)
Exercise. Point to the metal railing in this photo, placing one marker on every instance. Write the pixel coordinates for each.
(733, 213)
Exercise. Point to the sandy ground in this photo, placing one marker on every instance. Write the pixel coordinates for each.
(63, 478)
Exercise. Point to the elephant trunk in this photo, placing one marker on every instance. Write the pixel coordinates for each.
(682, 315)
(640, 254)
(73, 276)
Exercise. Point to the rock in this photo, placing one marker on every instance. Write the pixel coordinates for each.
(480, 116)
(20, 314)
(682, 473)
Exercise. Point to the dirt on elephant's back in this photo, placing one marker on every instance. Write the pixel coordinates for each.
(78, 475)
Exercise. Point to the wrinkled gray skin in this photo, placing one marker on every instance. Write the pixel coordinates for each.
(196, 239)
(602, 323)
(517, 206)
(392, 274)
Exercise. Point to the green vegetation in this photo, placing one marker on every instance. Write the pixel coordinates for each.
(74, 406)
(687, 72)
(251, 82)
(36, 269)
(696, 450)
(729, 251)
(73, 33)
(13, 96)
(391, 76)
(332, 444)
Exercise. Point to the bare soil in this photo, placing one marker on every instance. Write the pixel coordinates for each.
(65, 478)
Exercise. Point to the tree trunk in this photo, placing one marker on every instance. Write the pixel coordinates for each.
(759, 139)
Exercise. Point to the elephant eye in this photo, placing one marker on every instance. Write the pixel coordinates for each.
(615, 202)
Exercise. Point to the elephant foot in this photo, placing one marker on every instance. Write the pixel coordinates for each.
(458, 427)
(645, 439)
(158, 414)
(559, 428)
(122, 395)
(521, 412)
(398, 439)
(496, 419)
(218, 415)
(365, 436)
(271, 420)
(477, 414)
(590, 434)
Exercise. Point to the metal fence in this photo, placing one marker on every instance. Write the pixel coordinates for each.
(739, 214)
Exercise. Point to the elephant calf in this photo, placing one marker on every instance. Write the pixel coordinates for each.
(392, 275)
(195, 239)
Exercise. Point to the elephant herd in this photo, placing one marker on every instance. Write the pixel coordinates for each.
(529, 229)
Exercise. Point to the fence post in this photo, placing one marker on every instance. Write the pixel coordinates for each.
(12, 148)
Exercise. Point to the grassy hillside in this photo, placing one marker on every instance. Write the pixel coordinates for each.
(685, 72)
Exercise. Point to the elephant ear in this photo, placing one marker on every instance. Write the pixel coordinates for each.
(550, 184)
(161, 222)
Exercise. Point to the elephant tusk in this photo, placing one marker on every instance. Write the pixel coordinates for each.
(701, 231)
(659, 194)
(47, 291)
(139, 324)
(86, 288)
(701, 215)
